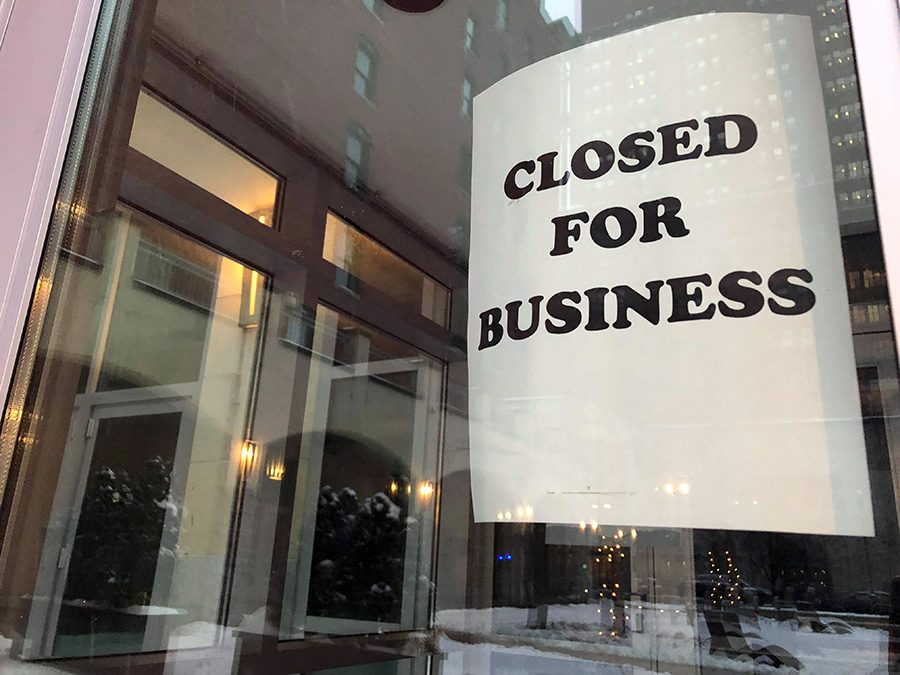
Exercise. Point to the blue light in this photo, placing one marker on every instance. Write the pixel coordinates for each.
(508, 556)
(499, 557)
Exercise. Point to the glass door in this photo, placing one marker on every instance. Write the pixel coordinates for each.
(154, 344)
(114, 570)
(361, 543)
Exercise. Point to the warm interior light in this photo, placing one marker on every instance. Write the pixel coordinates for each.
(426, 489)
(251, 297)
(248, 452)
(275, 470)
(254, 285)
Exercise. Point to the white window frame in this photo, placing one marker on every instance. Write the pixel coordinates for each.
(43, 53)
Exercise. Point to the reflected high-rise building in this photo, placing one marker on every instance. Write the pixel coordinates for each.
(838, 566)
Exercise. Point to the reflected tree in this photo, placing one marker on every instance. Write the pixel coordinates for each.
(357, 567)
(120, 535)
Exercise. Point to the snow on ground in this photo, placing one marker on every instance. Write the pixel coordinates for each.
(499, 642)
(486, 659)
(197, 637)
(669, 636)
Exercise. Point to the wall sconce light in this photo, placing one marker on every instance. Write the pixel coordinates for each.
(249, 451)
(426, 489)
(275, 470)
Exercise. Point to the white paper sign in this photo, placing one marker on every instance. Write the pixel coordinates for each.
(659, 328)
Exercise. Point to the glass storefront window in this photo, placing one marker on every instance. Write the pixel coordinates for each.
(360, 258)
(168, 137)
(135, 424)
(296, 394)
(361, 552)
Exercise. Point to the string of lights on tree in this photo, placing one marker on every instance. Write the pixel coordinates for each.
(727, 592)
(611, 558)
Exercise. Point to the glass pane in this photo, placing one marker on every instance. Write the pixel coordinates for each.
(654, 431)
(360, 549)
(366, 260)
(136, 419)
(124, 532)
(400, 667)
(170, 138)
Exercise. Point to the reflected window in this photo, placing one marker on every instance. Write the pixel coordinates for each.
(501, 14)
(359, 148)
(465, 108)
(167, 136)
(360, 258)
(140, 444)
(374, 6)
(360, 545)
(366, 68)
(469, 35)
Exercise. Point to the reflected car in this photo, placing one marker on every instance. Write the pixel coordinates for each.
(868, 602)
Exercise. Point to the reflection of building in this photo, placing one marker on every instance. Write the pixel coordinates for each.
(401, 86)
(150, 316)
(840, 566)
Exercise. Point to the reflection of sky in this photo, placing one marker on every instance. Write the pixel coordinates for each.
(569, 8)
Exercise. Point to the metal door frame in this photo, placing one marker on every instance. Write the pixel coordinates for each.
(79, 452)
